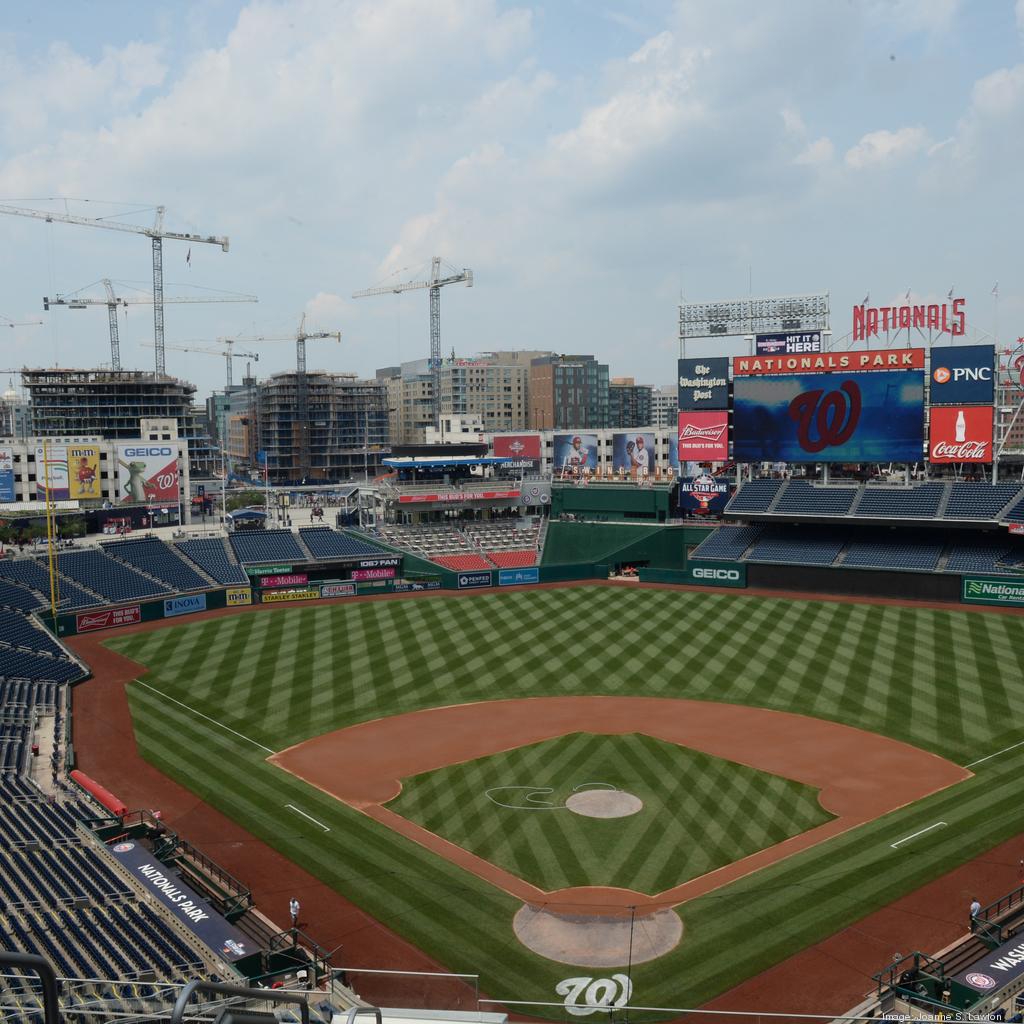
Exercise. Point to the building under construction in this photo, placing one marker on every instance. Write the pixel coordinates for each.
(111, 404)
(343, 436)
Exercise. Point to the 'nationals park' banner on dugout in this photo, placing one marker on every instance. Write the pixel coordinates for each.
(829, 362)
(876, 416)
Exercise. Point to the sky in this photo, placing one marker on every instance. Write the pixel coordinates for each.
(592, 163)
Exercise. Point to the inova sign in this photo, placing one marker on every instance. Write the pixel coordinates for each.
(716, 574)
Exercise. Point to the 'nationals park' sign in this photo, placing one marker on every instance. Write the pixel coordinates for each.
(825, 362)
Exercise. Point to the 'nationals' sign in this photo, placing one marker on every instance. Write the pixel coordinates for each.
(868, 321)
(826, 362)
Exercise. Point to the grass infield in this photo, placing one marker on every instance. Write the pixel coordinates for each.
(946, 681)
(699, 812)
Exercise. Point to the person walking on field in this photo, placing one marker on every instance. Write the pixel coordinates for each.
(293, 909)
(975, 911)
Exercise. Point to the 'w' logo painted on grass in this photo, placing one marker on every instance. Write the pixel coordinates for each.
(584, 996)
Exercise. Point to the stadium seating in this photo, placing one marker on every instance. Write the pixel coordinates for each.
(214, 558)
(325, 543)
(18, 630)
(754, 496)
(727, 543)
(513, 559)
(979, 556)
(255, 546)
(108, 577)
(797, 547)
(461, 563)
(15, 595)
(801, 497)
(157, 559)
(978, 501)
(1016, 513)
(883, 502)
(31, 573)
(894, 553)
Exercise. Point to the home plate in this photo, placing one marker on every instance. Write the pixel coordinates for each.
(604, 803)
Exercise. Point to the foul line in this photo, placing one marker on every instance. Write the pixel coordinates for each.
(305, 815)
(192, 711)
(905, 839)
(996, 754)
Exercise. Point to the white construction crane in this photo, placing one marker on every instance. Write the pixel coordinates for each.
(227, 353)
(435, 283)
(75, 300)
(156, 233)
(6, 321)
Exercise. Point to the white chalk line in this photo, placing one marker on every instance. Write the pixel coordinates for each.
(981, 760)
(192, 711)
(305, 815)
(906, 839)
(536, 792)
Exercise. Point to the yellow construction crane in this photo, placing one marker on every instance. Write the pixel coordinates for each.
(156, 234)
(75, 300)
(435, 282)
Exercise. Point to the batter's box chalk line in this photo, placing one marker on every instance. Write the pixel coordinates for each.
(535, 795)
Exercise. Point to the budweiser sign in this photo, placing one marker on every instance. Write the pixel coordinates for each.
(704, 436)
(713, 433)
(946, 317)
(960, 434)
(86, 622)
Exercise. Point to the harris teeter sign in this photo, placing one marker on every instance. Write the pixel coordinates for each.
(1000, 590)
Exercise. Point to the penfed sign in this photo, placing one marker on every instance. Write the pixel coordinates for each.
(998, 590)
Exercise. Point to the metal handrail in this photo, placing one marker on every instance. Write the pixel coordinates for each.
(264, 994)
(32, 962)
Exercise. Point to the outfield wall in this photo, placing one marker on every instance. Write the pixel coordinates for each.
(661, 547)
(614, 502)
(912, 586)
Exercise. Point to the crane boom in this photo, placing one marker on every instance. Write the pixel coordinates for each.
(435, 283)
(156, 234)
(227, 353)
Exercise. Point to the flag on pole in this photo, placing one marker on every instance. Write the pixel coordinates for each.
(188, 257)
(907, 299)
(995, 289)
(866, 299)
(950, 295)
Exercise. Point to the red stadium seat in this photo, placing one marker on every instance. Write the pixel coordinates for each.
(513, 559)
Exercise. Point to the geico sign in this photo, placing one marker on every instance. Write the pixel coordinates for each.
(135, 453)
(716, 574)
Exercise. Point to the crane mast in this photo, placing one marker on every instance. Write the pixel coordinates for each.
(434, 283)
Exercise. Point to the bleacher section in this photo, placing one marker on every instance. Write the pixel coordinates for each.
(325, 543)
(267, 546)
(14, 595)
(460, 563)
(158, 559)
(945, 500)
(107, 577)
(894, 553)
(727, 543)
(28, 652)
(214, 558)
(476, 544)
(31, 573)
(797, 547)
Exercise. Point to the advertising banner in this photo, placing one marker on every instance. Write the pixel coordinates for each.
(716, 574)
(473, 580)
(1017, 529)
(147, 472)
(235, 596)
(266, 570)
(854, 417)
(992, 590)
(184, 605)
(293, 579)
(374, 574)
(703, 437)
(963, 375)
(407, 586)
(996, 969)
(787, 344)
(704, 495)
(406, 499)
(6, 474)
(704, 383)
(574, 452)
(517, 446)
(182, 903)
(868, 321)
(960, 434)
(83, 472)
(385, 562)
(52, 472)
(633, 454)
(518, 577)
(284, 596)
(830, 362)
(86, 622)
(338, 590)
(673, 450)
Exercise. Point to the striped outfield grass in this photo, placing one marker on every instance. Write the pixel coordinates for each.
(699, 811)
(948, 681)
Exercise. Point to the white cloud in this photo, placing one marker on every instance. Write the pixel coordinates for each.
(325, 311)
(883, 147)
(820, 151)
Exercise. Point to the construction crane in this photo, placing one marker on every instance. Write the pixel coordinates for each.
(435, 283)
(227, 353)
(156, 234)
(74, 300)
(6, 321)
(301, 336)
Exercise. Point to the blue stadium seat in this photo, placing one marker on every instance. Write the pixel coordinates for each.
(727, 543)
(801, 497)
(754, 496)
(31, 573)
(108, 577)
(211, 555)
(798, 547)
(979, 501)
(256, 546)
(919, 502)
(157, 559)
(916, 554)
(324, 543)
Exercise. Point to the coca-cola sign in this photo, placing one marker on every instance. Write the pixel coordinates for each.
(960, 434)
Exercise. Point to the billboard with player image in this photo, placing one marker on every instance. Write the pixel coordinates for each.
(633, 454)
(6, 474)
(146, 472)
(875, 416)
(575, 453)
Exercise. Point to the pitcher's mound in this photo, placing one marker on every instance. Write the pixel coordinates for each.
(604, 803)
(586, 941)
